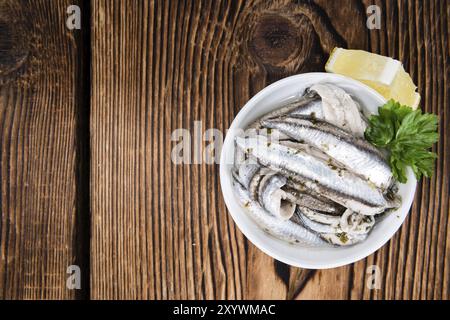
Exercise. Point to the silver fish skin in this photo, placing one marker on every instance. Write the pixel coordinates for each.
(340, 109)
(273, 193)
(239, 157)
(353, 153)
(281, 229)
(343, 187)
(309, 104)
(317, 226)
(332, 233)
(273, 198)
(246, 171)
(265, 186)
(255, 181)
(325, 204)
(306, 199)
(327, 102)
(319, 217)
(271, 134)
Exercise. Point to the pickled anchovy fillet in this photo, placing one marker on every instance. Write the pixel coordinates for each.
(309, 104)
(332, 229)
(253, 187)
(265, 186)
(239, 156)
(343, 187)
(340, 109)
(273, 198)
(283, 229)
(308, 165)
(247, 171)
(319, 217)
(317, 226)
(356, 224)
(271, 134)
(308, 200)
(353, 153)
(251, 175)
(327, 205)
(327, 102)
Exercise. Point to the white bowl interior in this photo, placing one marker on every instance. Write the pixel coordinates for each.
(269, 99)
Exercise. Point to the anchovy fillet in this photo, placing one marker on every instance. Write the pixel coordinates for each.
(265, 186)
(308, 200)
(340, 109)
(354, 223)
(325, 205)
(305, 173)
(317, 226)
(343, 186)
(319, 217)
(273, 198)
(353, 153)
(333, 231)
(247, 171)
(283, 229)
(309, 104)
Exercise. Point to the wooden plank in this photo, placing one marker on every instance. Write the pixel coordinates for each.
(42, 199)
(415, 263)
(161, 230)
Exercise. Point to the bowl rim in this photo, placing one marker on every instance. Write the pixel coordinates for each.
(371, 247)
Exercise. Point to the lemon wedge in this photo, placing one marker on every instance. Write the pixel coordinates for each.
(384, 74)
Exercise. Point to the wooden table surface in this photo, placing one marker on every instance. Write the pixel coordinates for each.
(86, 118)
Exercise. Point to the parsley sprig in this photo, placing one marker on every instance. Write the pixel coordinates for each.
(408, 135)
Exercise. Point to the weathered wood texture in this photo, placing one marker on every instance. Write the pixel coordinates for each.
(41, 200)
(161, 230)
(415, 264)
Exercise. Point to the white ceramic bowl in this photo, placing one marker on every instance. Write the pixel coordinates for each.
(268, 99)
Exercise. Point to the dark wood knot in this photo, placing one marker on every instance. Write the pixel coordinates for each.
(274, 40)
(13, 49)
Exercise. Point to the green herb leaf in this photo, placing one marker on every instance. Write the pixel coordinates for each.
(408, 135)
(380, 131)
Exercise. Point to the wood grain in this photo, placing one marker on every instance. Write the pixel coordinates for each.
(41, 201)
(415, 263)
(161, 230)
(143, 227)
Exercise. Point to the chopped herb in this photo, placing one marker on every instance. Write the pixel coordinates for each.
(371, 184)
(343, 237)
(331, 165)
